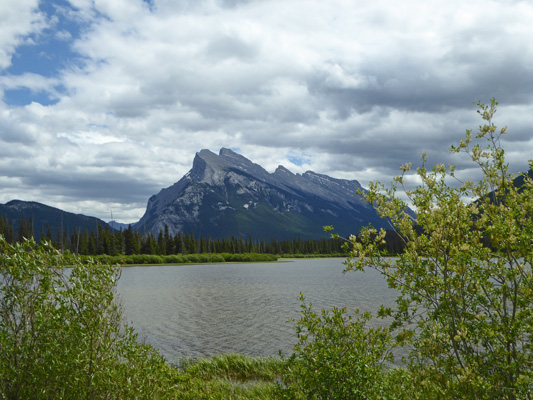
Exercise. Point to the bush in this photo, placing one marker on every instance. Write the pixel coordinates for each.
(217, 258)
(336, 357)
(465, 276)
(173, 259)
(153, 259)
(62, 334)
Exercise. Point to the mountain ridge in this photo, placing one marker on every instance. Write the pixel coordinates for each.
(242, 199)
(227, 194)
(44, 216)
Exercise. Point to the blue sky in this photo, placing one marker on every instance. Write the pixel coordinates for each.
(105, 102)
(46, 52)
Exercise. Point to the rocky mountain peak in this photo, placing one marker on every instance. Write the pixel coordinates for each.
(226, 194)
(226, 158)
(237, 158)
(210, 168)
(282, 171)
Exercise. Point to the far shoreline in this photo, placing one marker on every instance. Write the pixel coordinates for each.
(204, 258)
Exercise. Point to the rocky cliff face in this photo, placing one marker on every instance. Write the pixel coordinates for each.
(228, 195)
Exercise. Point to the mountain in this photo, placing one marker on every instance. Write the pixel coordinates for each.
(43, 216)
(228, 195)
(118, 225)
(519, 181)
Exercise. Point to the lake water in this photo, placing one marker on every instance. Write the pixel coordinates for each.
(203, 310)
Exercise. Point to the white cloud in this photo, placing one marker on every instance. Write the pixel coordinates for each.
(32, 81)
(18, 19)
(354, 89)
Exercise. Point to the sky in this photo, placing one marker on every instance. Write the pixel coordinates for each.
(105, 102)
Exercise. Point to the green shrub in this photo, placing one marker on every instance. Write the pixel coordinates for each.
(465, 278)
(173, 259)
(62, 334)
(153, 259)
(217, 258)
(135, 259)
(336, 357)
(193, 258)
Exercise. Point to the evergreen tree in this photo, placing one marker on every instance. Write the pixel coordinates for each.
(10, 235)
(3, 226)
(129, 241)
(91, 245)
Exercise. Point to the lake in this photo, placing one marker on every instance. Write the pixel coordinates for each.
(207, 309)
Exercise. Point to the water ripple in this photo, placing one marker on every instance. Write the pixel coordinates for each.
(202, 310)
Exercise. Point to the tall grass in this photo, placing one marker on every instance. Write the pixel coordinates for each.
(233, 367)
(236, 376)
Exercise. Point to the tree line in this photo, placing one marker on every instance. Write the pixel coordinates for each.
(105, 240)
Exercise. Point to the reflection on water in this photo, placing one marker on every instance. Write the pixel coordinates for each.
(202, 310)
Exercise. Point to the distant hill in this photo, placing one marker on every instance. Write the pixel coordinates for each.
(519, 180)
(228, 195)
(44, 216)
(118, 225)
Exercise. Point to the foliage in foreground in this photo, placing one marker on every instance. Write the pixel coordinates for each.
(465, 305)
(236, 376)
(465, 310)
(336, 357)
(61, 332)
(465, 277)
(62, 336)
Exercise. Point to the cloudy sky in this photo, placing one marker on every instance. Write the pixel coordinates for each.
(105, 102)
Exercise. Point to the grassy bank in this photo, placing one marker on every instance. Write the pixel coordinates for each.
(332, 255)
(241, 377)
(203, 258)
(233, 376)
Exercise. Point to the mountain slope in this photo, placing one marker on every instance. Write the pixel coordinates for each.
(44, 216)
(228, 195)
